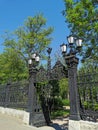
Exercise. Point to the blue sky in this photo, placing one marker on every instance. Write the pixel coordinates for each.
(13, 13)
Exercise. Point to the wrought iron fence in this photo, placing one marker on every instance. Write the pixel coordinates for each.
(14, 95)
(88, 95)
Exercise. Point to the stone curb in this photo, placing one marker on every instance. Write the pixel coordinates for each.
(20, 114)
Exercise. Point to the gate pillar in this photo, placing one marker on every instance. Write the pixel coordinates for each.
(72, 63)
(36, 117)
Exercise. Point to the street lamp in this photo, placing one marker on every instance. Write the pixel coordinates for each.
(33, 63)
(74, 45)
(34, 59)
(69, 52)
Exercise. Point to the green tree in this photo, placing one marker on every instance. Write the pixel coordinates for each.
(12, 67)
(64, 92)
(34, 36)
(82, 19)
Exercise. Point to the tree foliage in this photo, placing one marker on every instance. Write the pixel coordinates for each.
(64, 91)
(82, 19)
(12, 67)
(32, 37)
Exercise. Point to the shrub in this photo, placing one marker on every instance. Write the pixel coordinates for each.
(58, 103)
(66, 102)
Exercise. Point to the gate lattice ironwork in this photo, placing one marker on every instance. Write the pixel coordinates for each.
(44, 79)
(88, 95)
(56, 73)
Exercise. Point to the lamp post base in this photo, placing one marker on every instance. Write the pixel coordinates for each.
(38, 119)
(75, 117)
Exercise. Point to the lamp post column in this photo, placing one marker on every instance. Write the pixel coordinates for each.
(74, 47)
(33, 62)
(32, 94)
(72, 63)
(36, 117)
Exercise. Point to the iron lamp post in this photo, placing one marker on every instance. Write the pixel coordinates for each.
(69, 52)
(33, 63)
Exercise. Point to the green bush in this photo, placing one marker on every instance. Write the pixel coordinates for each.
(85, 104)
(96, 107)
(59, 113)
(58, 109)
(66, 102)
(58, 103)
(89, 105)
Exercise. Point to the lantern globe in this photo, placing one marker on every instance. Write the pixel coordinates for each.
(33, 55)
(37, 58)
(63, 48)
(79, 42)
(30, 61)
(70, 39)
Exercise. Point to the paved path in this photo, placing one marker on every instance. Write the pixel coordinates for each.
(12, 123)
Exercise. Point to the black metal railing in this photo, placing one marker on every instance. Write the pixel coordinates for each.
(88, 95)
(14, 95)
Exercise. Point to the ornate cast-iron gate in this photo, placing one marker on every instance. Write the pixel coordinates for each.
(44, 86)
(17, 95)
